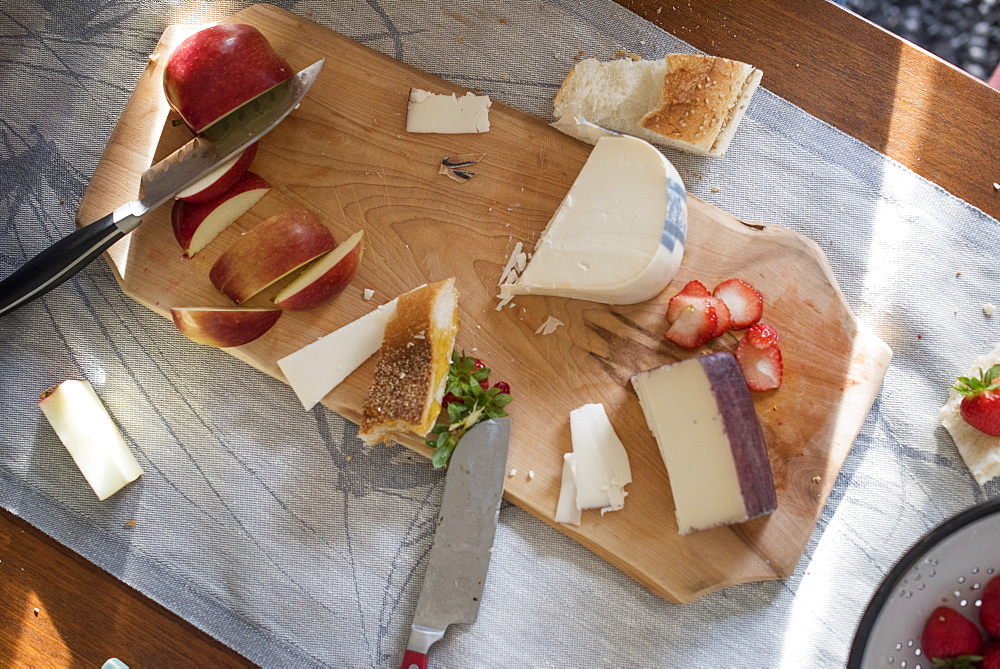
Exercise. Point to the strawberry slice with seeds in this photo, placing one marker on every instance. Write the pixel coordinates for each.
(759, 357)
(722, 316)
(746, 305)
(689, 294)
(694, 325)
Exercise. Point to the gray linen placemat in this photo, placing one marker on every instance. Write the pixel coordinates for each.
(278, 533)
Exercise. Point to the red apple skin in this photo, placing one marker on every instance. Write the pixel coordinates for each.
(223, 327)
(330, 283)
(219, 68)
(187, 218)
(269, 251)
(226, 180)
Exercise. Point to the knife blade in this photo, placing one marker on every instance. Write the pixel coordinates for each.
(218, 142)
(463, 541)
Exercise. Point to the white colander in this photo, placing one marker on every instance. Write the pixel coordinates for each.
(948, 567)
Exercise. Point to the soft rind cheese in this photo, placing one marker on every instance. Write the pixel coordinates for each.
(596, 472)
(979, 451)
(618, 236)
(447, 114)
(700, 412)
(317, 368)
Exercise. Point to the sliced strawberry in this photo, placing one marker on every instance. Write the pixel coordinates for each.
(692, 290)
(722, 316)
(745, 304)
(695, 324)
(759, 357)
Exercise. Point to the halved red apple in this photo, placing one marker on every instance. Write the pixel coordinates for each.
(325, 278)
(221, 179)
(223, 326)
(195, 225)
(269, 251)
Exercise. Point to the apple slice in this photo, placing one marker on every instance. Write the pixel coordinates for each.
(325, 278)
(221, 179)
(269, 251)
(223, 326)
(196, 225)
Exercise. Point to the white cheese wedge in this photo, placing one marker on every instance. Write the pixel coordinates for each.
(582, 129)
(84, 426)
(618, 235)
(447, 114)
(596, 472)
(710, 440)
(317, 368)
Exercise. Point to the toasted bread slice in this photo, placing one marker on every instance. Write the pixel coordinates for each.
(691, 103)
(412, 367)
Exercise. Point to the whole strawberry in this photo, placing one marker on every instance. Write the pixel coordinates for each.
(989, 611)
(948, 635)
(991, 654)
(981, 402)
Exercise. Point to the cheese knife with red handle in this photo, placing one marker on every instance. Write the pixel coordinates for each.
(463, 542)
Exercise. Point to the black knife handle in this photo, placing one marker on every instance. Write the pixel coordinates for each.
(62, 260)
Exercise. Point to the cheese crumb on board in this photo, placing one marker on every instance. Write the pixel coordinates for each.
(369, 293)
(549, 326)
(979, 451)
(447, 114)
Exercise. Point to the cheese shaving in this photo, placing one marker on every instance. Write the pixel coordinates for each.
(549, 326)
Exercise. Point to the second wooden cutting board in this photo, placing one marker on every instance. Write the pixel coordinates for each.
(345, 155)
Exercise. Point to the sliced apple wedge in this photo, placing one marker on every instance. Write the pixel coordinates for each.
(325, 278)
(269, 251)
(221, 179)
(196, 225)
(223, 326)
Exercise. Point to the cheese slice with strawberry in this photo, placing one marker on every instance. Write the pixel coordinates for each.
(618, 235)
(972, 417)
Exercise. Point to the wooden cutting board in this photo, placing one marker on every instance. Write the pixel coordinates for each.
(345, 155)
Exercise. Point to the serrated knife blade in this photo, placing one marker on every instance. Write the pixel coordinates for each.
(463, 542)
(217, 143)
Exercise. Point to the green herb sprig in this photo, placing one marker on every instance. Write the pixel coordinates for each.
(472, 406)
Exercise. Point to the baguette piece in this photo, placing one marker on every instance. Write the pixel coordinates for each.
(412, 368)
(688, 102)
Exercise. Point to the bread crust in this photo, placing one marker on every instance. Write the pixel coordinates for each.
(700, 96)
(413, 362)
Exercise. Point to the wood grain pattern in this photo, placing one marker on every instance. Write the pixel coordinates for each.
(848, 55)
(345, 154)
(59, 610)
(934, 118)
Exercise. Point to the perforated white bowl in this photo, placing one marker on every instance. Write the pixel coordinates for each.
(948, 567)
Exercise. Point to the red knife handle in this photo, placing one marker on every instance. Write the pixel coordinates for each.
(414, 660)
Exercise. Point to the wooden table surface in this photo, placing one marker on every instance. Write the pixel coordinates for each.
(58, 609)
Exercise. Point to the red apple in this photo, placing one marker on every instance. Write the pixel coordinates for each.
(325, 278)
(269, 251)
(218, 69)
(223, 326)
(221, 179)
(195, 225)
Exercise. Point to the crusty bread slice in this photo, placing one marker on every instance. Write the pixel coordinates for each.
(687, 102)
(412, 367)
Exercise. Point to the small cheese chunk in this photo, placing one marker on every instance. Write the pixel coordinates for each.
(317, 368)
(710, 440)
(618, 235)
(447, 114)
(84, 426)
(596, 472)
(979, 451)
